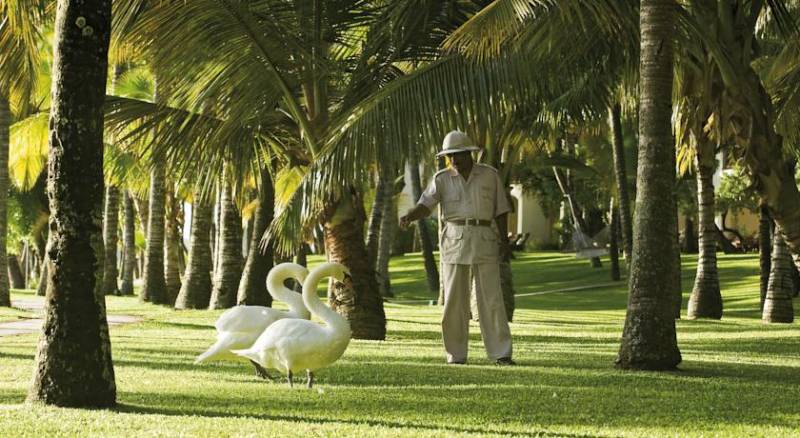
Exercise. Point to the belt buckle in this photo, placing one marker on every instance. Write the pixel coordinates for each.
(471, 221)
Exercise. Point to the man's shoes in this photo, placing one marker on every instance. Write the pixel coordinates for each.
(457, 362)
(504, 361)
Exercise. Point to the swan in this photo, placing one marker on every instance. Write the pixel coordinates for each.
(292, 345)
(240, 326)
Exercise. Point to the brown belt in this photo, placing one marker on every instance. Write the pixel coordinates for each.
(475, 222)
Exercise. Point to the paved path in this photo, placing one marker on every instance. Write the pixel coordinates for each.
(34, 325)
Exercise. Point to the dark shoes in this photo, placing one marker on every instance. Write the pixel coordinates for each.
(457, 362)
(504, 361)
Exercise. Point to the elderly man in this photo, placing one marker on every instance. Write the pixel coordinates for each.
(471, 196)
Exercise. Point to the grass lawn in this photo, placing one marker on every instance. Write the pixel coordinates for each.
(739, 376)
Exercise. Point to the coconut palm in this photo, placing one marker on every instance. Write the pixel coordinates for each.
(229, 268)
(110, 234)
(73, 359)
(778, 302)
(620, 173)
(195, 291)
(252, 286)
(128, 244)
(649, 340)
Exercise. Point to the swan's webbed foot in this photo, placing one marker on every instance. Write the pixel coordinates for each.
(290, 376)
(261, 371)
(310, 381)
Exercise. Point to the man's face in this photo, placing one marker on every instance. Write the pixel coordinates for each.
(461, 161)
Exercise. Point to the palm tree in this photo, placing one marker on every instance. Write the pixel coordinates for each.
(388, 225)
(229, 268)
(73, 359)
(252, 287)
(649, 340)
(110, 235)
(128, 245)
(195, 291)
(154, 287)
(765, 226)
(173, 248)
(19, 55)
(620, 173)
(425, 233)
(778, 302)
(376, 215)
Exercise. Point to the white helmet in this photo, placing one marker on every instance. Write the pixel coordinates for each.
(455, 142)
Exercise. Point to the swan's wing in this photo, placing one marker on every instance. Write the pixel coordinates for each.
(247, 319)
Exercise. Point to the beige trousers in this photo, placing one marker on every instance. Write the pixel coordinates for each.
(491, 311)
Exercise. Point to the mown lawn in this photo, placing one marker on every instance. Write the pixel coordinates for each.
(739, 376)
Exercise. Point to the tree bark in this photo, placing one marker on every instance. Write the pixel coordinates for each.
(376, 216)
(128, 245)
(387, 231)
(621, 176)
(360, 302)
(143, 208)
(706, 299)
(253, 285)
(15, 274)
(73, 358)
(173, 246)
(154, 287)
(764, 250)
(425, 235)
(690, 244)
(649, 340)
(110, 235)
(195, 291)
(778, 302)
(613, 246)
(5, 124)
(229, 267)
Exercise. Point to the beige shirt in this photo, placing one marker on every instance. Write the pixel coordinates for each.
(483, 197)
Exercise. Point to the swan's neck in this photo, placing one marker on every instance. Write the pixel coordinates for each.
(282, 293)
(317, 308)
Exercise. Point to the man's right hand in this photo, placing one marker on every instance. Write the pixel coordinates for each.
(404, 222)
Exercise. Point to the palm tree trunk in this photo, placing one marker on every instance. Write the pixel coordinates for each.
(172, 246)
(15, 272)
(613, 245)
(229, 267)
(73, 358)
(5, 123)
(778, 303)
(360, 302)
(764, 250)
(387, 231)
(376, 215)
(195, 291)
(649, 340)
(154, 287)
(620, 174)
(425, 235)
(143, 208)
(706, 300)
(110, 235)
(253, 285)
(128, 245)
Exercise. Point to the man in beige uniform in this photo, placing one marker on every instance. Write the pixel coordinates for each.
(471, 196)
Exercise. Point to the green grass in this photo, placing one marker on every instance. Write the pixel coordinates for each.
(739, 376)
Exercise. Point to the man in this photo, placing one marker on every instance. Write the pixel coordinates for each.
(471, 196)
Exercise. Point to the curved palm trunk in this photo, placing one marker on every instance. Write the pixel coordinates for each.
(172, 247)
(360, 302)
(128, 245)
(143, 208)
(5, 123)
(154, 287)
(73, 358)
(110, 233)
(649, 340)
(764, 250)
(778, 303)
(387, 230)
(195, 292)
(253, 285)
(229, 268)
(706, 300)
(425, 235)
(621, 177)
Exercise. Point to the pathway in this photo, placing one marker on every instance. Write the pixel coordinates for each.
(34, 325)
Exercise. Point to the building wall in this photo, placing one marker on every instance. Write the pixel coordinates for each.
(529, 217)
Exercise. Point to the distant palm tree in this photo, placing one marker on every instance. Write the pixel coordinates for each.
(253, 284)
(110, 237)
(128, 244)
(778, 302)
(195, 291)
(229, 268)
(73, 359)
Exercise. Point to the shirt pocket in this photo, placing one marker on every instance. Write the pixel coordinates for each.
(489, 251)
(452, 243)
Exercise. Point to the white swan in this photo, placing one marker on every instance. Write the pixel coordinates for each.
(292, 345)
(240, 326)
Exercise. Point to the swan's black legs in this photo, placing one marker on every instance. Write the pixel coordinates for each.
(310, 380)
(291, 384)
(261, 372)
